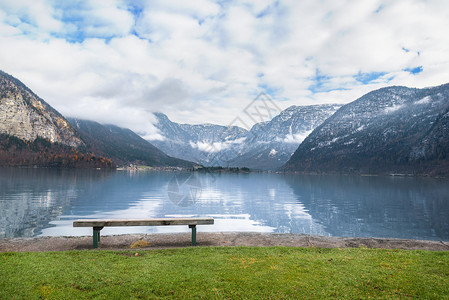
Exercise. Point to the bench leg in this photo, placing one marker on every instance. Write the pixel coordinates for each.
(96, 236)
(193, 227)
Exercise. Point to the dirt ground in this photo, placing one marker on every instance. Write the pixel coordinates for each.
(176, 240)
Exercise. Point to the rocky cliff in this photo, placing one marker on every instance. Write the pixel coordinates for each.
(25, 116)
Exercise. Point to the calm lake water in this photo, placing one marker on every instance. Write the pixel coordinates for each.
(40, 202)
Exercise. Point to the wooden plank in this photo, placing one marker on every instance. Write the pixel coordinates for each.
(142, 222)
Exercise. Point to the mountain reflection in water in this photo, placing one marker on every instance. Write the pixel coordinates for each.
(45, 202)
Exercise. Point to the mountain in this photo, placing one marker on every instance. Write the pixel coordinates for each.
(266, 146)
(206, 144)
(26, 116)
(122, 145)
(32, 133)
(390, 130)
(270, 144)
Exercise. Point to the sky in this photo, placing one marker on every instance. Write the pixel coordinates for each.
(202, 61)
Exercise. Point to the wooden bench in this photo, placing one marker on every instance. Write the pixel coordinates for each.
(98, 224)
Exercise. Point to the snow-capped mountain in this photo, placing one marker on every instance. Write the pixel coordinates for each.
(207, 144)
(267, 145)
(390, 130)
(270, 144)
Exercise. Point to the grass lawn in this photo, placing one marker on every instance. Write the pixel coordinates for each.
(240, 272)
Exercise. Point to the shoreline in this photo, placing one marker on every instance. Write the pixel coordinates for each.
(207, 239)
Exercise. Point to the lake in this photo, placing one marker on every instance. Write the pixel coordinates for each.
(44, 202)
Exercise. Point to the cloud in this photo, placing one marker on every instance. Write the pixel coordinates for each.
(205, 61)
(93, 19)
(213, 147)
(296, 138)
(210, 147)
(170, 90)
(33, 19)
(393, 108)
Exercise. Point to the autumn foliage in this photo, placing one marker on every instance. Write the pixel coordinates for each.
(43, 153)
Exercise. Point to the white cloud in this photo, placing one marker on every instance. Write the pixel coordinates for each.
(295, 138)
(34, 18)
(199, 9)
(393, 108)
(213, 147)
(205, 61)
(210, 147)
(94, 18)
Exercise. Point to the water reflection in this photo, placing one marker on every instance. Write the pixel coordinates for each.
(376, 206)
(31, 198)
(238, 202)
(266, 198)
(45, 202)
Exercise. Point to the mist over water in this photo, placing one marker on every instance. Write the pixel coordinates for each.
(36, 202)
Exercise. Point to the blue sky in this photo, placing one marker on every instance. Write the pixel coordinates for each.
(205, 61)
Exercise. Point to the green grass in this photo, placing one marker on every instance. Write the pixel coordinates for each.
(242, 272)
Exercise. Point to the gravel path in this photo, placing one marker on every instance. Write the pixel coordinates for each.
(176, 240)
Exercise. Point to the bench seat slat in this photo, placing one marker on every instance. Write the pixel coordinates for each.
(142, 222)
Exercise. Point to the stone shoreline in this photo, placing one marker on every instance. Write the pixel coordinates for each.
(177, 240)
